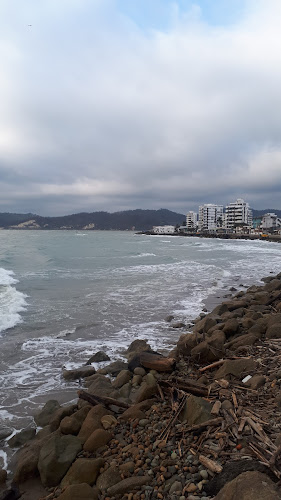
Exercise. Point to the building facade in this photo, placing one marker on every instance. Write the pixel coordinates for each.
(238, 213)
(163, 229)
(191, 220)
(270, 221)
(210, 217)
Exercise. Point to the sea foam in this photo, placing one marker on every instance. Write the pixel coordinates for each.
(12, 302)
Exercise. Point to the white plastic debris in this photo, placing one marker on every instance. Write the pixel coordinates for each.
(244, 380)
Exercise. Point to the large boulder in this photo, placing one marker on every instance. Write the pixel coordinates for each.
(92, 422)
(109, 478)
(56, 456)
(251, 485)
(84, 371)
(204, 325)
(79, 492)
(231, 327)
(185, 344)
(243, 340)
(21, 438)
(27, 461)
(115, 368)
(100, 385)
(64, 411)
(138, 346)
(72, 424)
(98, 357)
(196, 411)
(44, 416)
(98, 439)
(122, 378)
(83, 470)
(211, 349)
(236, 367)
(274, 331)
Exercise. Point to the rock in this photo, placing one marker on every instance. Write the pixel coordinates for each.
(27, 462)
(125, 391)
(178, 324)
(144, 392)
(99, 384)
(3, 476)
(84, 371)
(169, 318)
(274, 332)
(92, 422)
(140, 371)
(238, 368)
(231, 470)
(136, 380)
(220, 309)
(136, 411)
(44, 416)
(56, 456)
(205, 324)
(97, 439)
(211, 349)
(256, 382)
(155, 361)
(11, 494)
(21, 438)
(115, 368)
(236, 304)
(231, 327)
(128, 485)
(72, 424)
(122, 378)
(64, 411)
(5, 432)
(79, 492)
(176, 487)
(243, 340)
(185, 344)
(108, 421)
(98, 357)
(250, 485)
(273, 285)
(138, 346)
(109, 478)
(83, 470)
(196, 411)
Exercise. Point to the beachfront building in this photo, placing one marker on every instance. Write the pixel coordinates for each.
(270, 221)
(191, 221)
(163, 229)
(210, 217)
(237, 214)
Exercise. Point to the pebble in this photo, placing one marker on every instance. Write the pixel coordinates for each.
(204, 474)
(174, 456)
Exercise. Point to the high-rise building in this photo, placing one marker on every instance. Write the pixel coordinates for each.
(270, 221)
(191, 220)
(210, 217)
(238, 213)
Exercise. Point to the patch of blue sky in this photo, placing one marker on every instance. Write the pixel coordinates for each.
(162, 14)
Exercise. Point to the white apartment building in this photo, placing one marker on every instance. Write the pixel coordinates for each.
(210, 217)
(238, 213)
(270, 221)
(191, 220)
(163, 229)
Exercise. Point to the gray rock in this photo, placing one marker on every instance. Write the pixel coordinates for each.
(5, 432)
(44, 416)
(21, 438)
(98, 357)
(56, 456)
(84, 371)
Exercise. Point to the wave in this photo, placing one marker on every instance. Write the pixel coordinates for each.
(12, 302)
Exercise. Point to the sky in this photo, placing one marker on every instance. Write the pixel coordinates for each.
(122, 104)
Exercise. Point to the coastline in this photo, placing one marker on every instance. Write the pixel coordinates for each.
(246, 326)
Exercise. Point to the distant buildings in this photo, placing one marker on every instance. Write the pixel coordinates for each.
(238, 213)
(191, 221)
(163, 229)
(210, 217)
(270, 221)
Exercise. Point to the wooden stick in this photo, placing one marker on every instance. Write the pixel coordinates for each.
(94, 400)
(210, 464)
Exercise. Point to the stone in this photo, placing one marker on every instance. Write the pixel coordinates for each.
(92, 422)
(116, 367)
(136, 411)
(220, 309)
(256, 382)
(274, 331)
(63, 411)
(98, 357)
(83, 470)
(204, 325)
(21, 438)
(185, 344)
(238, 368)
(140, 371)
(128, 485)
(56, 456)
(125, 391)
(3, 476)
(138, 346)
(109, 478)
(84, 371)
(243, 340)
(176, 487)
(196, 411)
(169, 318)
(231, 327)
(122, 378)
(99, 384)
(273, 285)
(98, 438)
(72, 424)
(108, 421)
(44, 416)
(79, 492)
(209, 350)
(145, 392)
(27, 462)
(251, 485)
(137, 380)
(5, 432)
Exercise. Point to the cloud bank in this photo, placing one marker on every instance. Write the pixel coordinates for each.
(104, 109)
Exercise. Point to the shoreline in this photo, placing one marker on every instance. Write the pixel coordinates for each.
(242, 326)
(273, 238)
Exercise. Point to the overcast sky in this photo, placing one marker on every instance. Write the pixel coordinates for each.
(120, 104)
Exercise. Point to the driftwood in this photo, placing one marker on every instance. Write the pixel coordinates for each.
(210, 464)
(188, 385)
(156, 362)
(94, 400)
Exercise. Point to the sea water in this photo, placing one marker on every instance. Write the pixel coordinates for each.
(67, 294)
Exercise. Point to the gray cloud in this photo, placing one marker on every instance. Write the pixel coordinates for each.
(98, 114)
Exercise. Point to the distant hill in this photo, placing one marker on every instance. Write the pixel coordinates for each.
(260, 213)
(139, 220)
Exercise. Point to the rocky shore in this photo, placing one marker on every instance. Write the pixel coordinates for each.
(202, 423)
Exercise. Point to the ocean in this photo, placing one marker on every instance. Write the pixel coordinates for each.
(65, 295)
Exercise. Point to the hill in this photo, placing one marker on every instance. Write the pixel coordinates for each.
(138, 220)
